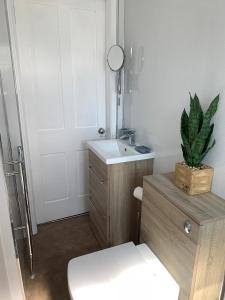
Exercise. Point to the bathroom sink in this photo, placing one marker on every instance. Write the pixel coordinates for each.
(116, 151)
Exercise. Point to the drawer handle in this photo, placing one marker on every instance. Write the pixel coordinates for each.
(100, 180)
(187, 227)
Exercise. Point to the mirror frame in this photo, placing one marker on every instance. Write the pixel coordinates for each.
(122, 50)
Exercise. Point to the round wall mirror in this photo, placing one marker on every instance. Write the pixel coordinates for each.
(115, 58)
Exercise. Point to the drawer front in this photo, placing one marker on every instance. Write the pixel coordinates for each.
(100, 224)
(98, 191)
(162, 228)
(98, 166)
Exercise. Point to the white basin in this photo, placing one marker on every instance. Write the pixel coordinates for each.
(116, 151)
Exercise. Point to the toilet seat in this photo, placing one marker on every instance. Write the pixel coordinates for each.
(122, 272)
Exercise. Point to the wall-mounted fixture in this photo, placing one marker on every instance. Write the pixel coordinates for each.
(115, 60)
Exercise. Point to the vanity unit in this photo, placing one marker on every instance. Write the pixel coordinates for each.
(187, 233)
(115, 169)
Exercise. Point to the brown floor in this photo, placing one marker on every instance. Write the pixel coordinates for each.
(54, 245)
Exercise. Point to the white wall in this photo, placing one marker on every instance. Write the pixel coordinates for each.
(114, 35)
(111, 30)
(4, 287)
(182, 44)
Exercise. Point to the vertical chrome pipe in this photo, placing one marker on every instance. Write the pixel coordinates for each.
(27, 208)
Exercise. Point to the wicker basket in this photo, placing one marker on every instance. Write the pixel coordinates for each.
(193, 180)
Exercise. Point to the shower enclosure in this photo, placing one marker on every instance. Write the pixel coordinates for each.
(11, 148)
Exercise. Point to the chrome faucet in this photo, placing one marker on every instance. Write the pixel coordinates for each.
(129, 135)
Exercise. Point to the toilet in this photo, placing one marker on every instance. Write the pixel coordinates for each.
(121, 272)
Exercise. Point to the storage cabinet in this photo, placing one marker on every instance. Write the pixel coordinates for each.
(111, 200)
(187, 234)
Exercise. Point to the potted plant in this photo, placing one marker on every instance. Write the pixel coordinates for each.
(192, 175)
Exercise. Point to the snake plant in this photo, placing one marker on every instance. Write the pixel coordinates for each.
(196, 131)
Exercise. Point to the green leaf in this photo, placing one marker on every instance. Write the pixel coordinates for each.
(200, 141)
(197, 159)
(208, 149)
(184, 123)
(195, 118)
(184, 154)
(200, 114)
(187, 148)
(213, 107)
(196, 131)
(208, 138)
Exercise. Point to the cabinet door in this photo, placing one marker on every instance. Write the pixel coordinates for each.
(99, 199)
(98, 166)
(162, 228)
(100, 224)
(98, 191)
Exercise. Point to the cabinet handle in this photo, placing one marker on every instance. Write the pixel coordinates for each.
(102, 181)
(187, 227)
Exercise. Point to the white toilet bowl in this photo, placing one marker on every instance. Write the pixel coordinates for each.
(122, 272)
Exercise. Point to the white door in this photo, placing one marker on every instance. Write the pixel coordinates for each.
(61, 47)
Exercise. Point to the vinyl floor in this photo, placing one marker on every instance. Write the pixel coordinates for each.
(54, 245)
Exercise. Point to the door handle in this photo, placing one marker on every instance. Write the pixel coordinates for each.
(101, 131)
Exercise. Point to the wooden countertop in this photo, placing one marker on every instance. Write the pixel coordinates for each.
(202, 208)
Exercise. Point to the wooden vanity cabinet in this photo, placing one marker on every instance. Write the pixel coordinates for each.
(187, 233)
(111, 199)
